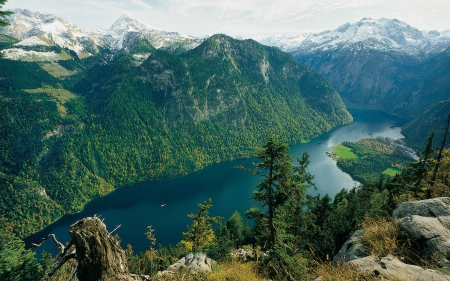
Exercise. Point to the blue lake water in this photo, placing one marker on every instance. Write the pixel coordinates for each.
(135, 207)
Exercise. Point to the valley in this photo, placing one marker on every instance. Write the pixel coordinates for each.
(138, 125)
(113, 119)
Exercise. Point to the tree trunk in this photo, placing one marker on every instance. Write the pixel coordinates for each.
(99, 255)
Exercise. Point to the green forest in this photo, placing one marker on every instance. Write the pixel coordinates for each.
(76, 129)
(293, 237)
(366, 159)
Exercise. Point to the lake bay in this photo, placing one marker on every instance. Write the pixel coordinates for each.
(165, 204)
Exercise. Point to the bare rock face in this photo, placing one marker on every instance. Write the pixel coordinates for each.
(390, 268)
(193, 264)
(352, 249)
(427, 223)
(99, 255)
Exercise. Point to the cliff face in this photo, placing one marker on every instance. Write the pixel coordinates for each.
(398, 83)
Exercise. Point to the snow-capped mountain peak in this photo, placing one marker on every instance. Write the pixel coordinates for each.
(380, 34)
(26, 24)
(35, 28)
(127, 23)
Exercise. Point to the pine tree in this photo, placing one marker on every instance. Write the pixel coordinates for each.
(16, 262)
(283, 182)
(282, 191)
(3, 14)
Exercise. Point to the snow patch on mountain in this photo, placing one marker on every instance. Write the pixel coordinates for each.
(25, 24)
(34, 41)
(379, 34)
(20, 54)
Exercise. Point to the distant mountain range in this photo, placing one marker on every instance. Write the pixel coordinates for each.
(373, 63)
(34, 28)
(375, 34)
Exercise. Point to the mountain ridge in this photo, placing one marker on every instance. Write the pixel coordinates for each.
(88, 126)
(378, 34)
(25, 24)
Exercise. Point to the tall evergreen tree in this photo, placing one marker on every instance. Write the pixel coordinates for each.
(440, 150)
(282, 192)
(283, 182)
(3, 14)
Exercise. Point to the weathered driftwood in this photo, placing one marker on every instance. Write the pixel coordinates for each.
(99, 254)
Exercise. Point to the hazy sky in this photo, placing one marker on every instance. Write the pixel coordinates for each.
(246, 18)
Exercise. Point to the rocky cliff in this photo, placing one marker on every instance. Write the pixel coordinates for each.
(425, 226)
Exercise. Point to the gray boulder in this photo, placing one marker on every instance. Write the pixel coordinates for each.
(193, 264)
(352, 249)
(391, 268)
(427, 223)
(436, 207)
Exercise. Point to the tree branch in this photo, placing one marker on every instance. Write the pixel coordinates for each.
(57, 243)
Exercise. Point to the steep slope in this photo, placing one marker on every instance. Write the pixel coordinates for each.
(146, 115)
(401, 85)
(383, 64)
(420, 128)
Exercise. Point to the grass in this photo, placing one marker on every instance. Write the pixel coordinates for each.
(60, 95)
(391, 172)
(339, 272)
(230, 271)
(45, 40)
(56, 70)
(342, 151)
(383, 237)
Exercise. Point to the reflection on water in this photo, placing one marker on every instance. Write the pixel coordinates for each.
(135, 207)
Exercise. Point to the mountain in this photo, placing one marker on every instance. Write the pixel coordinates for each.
(369, 34)
(381, 64)
(76, 129)
(434, 119)
(34, 29)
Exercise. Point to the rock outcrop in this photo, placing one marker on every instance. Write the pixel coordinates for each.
(392, 268)
(352, 249)
(193, 264)
(427, 224)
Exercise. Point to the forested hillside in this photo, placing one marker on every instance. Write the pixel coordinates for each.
(401, 84)
(434, 118)
(75, 129)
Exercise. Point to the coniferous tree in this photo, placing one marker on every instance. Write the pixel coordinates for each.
(16, 262)
(3, 14)
(282, 192)
(283, 185)
(441, 149)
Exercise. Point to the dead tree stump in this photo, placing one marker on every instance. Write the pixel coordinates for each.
(99, 254)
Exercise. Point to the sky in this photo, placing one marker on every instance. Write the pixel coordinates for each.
(245, 18)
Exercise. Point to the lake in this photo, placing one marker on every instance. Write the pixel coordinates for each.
(165, 204)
